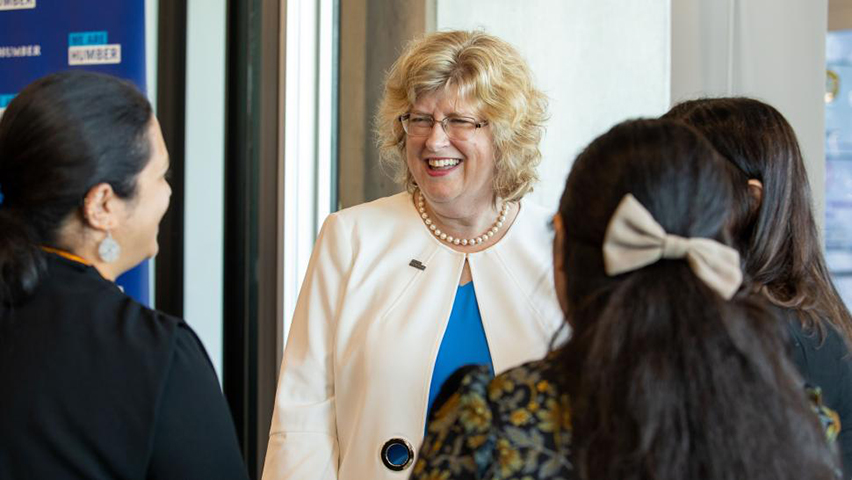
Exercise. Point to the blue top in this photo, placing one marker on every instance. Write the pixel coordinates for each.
(463, 344)
(464, 340)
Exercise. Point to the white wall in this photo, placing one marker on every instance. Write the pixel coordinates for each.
(205, 165)
(773, 50)
(599, 61)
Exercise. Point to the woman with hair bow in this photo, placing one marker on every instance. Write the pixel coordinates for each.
(668, 375)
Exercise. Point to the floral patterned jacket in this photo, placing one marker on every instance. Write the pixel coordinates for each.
(513, 426)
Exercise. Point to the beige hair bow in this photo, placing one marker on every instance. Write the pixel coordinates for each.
(634, 239)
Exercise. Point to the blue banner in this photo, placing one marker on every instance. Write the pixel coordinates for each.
(38, 37)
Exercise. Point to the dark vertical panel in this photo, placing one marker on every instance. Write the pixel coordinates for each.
(252, 215)
(171, 112)
(237, 221)
(270, 219)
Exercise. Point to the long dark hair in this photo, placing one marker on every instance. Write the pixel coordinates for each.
(667, 379)
(777, 237)
(62, 135)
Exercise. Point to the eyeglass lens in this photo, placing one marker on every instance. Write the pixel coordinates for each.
(458, 128)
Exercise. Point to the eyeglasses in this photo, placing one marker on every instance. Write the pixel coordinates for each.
(457, 128)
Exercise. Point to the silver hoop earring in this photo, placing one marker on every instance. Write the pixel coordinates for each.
(109, 249)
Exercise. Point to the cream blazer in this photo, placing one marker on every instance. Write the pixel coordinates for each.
(368, 325)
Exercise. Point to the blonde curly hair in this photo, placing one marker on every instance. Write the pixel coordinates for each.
(491, 75)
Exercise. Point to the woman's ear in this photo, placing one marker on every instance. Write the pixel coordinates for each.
(102, 207)
(755, 190)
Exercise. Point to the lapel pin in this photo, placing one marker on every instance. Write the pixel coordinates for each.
(417, 264)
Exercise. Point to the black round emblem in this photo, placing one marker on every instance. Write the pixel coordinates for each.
(397, 454)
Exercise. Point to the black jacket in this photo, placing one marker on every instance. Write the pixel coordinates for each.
(826, 363)
(97, 386)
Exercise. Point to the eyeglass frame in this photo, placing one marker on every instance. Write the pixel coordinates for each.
(476, 125)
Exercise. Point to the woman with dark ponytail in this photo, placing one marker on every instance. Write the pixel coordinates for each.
(94, 384)
(776, 234)
(667, 375)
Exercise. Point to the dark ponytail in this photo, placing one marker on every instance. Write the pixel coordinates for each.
(667, 379)
(62, 135)
(20, 264)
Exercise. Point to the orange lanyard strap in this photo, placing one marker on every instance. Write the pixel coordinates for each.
(64, 254)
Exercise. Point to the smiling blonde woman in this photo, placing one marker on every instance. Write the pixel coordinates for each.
(402, 291)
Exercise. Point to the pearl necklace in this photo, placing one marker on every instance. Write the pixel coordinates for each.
(461, 241)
